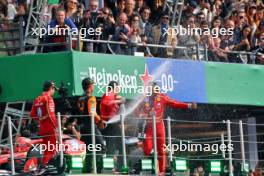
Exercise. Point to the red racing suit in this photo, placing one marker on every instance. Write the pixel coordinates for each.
(108, 109)
(158, 104)
(43, 110)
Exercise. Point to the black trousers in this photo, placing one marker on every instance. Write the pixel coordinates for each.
(112, 135)
(87, 138)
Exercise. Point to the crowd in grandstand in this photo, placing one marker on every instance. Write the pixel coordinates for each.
(145, 22)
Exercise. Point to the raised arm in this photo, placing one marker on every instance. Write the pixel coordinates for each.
(175, 104)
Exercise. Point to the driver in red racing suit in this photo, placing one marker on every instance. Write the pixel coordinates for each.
(43, 110)
(155, 104)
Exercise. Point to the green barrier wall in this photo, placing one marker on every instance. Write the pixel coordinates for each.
(21, 77)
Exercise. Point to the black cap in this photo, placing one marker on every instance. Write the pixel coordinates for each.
(48, 84)
(112, 84)
(86, 82)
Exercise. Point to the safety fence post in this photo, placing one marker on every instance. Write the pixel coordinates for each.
(93, 137)
(122, 118)
(242, 145)
(230, 152)
(223, 143)
(60, 139)
(155, 143)
(169, 141)
(11, 145)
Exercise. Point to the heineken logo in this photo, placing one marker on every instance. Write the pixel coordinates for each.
(101, 77)
(128, 82)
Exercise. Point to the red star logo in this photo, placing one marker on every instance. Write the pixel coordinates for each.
(146, 77)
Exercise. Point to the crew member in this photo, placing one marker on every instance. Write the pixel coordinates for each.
(43, 110)
(87, 106)
(110, 106)
(155, 104)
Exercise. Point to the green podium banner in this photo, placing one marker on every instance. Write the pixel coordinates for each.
(21, 77)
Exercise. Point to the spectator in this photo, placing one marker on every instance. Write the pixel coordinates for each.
(64, 119)
(164, 35)
(205, 9)
(135, 33)
(259, 19)
(61, 20)
(144, 49)
(71, 7)
(216, 23)
(3, 9)
(259, 49)
(72, 129)
(106, 23)
(134, 23)
(251, 14)
(130, 8)
(199, 18)
(241, 21)
(121, 34)
(206, 38)
(211, 13)
(11, 11)
(227, 41)
(74, 11)
(157, 10)
(146, 25)
(233, 15)
(189, 11)
(111, 4)
(139, 5)
(243, 44)
(93, 6)
(260, 29)
(121, 5)
(64, 26)
(259, 15)
(189, 38)
(91, 22)
(216, 53)
(21, 15)
(218, 9)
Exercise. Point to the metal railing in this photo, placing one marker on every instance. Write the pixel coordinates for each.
(196, 50)
(12, 35)
(169, 139)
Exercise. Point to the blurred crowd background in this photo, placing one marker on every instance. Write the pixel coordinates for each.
(150, 21)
